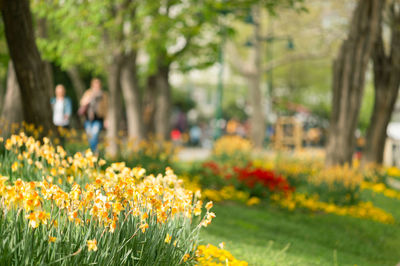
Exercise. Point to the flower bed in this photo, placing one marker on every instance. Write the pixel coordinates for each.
(61, 209)
(363, 210)
(331, 190)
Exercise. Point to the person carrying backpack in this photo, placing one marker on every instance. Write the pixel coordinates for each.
(94, 107)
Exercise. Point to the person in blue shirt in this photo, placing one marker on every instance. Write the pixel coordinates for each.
(62, 107)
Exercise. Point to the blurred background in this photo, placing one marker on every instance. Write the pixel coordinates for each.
(193, 71)
(284, 113)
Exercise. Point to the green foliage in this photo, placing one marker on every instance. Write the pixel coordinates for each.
(233, 110)
(74, 32)
(4, 56)
(182, 101)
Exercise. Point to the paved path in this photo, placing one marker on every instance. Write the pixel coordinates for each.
(197, 153)
(192, 154)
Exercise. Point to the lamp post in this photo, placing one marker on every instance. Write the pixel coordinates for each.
(220, 89)
(270, 74)
(270, 39)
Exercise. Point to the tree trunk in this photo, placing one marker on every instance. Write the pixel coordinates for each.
(257, 121)
(33, 79)
(42, 33)
(130, 89)
(2, 93)
(348, 80)
(149, 105)
(77, 82)
(12, 110)
(387, 82)
(114, 103)
(163, 108)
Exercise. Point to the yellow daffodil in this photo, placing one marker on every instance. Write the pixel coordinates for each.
(168, 239)
(92, 245)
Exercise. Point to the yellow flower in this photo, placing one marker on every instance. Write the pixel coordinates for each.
(70, 179)
(33, 220)
(144, 216)
(253, 201)
(197, 209)
(364, 210)
(52, 239)
(102, 162)
(143, 227)
(14, 166)
(106, 194)
(232, 146)
(393, 171)
(92, 245)
(185, 257)
(168, 239)
(212, 255)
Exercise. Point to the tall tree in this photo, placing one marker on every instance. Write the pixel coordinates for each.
(387, 82)
(113, 116)
(252, 71)
(42, 32)
(12, 108)
(162, 117)
(132, 96)
(149, 104)
(33, 80)
(129, 73)
(348, 80)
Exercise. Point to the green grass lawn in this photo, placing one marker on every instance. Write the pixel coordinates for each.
(267, 235)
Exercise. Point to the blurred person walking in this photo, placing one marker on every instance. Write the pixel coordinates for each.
(62, 107)
(94, 107)
(195, 135)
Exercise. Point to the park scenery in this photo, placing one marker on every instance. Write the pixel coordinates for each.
(199, 132)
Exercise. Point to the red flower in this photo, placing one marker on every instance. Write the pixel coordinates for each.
(266, 178)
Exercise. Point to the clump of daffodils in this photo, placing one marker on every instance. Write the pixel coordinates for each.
(212, 255)
(362, 210)
(117, 215)
(347, 176)
(232, 148)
